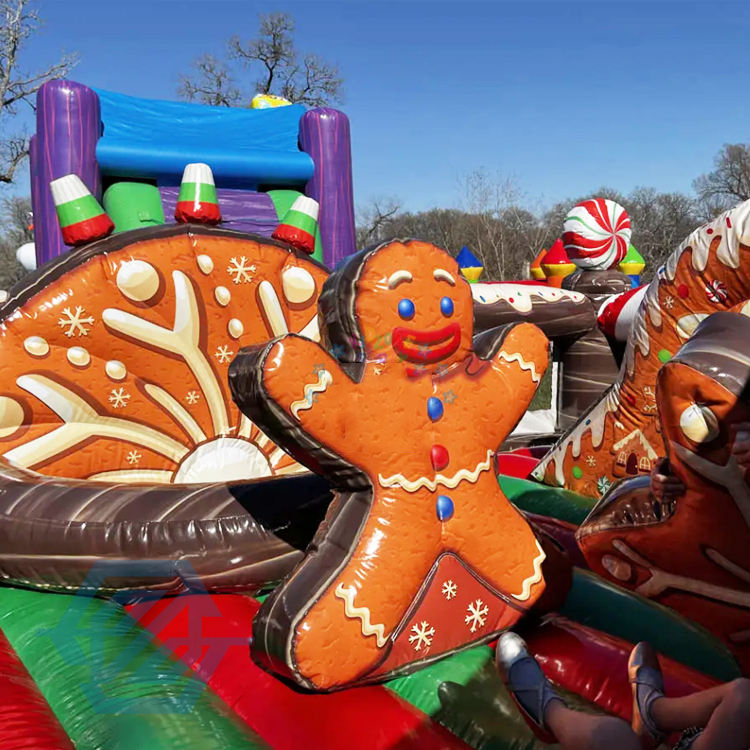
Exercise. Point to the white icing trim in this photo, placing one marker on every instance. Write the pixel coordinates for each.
(399, 480)
(360, 613)
(535, 577)
(324, 380)
(522, 363)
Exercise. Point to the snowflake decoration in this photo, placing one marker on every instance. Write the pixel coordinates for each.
(423, 634)
(449, 396)
(223, 354)
(318, 367)
(119, 398)
(602, 485)
(134, 457)
(240, 271)
(669, 302)
(449, 589)
(477, 615)
(192, 397)
(591, 461)
(75, 321)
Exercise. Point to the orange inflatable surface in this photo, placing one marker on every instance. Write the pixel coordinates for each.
(114, 357)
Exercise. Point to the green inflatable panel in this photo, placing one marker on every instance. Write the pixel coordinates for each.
(282, 201)
(465, 695)
(132, 205)
(108, 684)
(600, 605)
(533, 497)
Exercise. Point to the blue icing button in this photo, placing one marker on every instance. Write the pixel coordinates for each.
(434, 408)
(444, 507)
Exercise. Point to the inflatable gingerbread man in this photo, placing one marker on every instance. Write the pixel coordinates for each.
(420, 554)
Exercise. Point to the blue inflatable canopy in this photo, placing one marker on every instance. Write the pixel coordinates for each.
(152, 139)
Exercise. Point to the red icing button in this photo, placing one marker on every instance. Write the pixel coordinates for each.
(682, 290)
(439, 457)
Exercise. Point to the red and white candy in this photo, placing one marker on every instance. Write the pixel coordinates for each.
(717, 292)
(616, 314)
(596, 233)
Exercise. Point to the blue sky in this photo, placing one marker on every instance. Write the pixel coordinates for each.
(563, 96)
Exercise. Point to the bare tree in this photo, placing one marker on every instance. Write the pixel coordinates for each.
(212, 84)
(729, 182)
(274, 59)
(17, 86)
(15, 220)
(374, 221)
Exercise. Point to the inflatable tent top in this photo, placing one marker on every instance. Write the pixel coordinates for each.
(107, 138)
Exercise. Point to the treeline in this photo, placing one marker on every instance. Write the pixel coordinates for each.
(506, 230)
(15, 220)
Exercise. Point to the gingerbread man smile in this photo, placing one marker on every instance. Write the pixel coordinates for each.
(421, 554)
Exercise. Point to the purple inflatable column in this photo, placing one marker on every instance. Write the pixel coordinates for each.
(324, 134)
(67, 130)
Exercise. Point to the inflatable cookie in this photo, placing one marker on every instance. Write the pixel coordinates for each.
(421, 554)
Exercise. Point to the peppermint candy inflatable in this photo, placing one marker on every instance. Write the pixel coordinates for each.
(596, 233)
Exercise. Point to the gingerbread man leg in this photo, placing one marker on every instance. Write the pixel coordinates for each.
(493, 538)
(352, 623)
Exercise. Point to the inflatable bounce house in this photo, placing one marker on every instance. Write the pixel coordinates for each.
(260, 490)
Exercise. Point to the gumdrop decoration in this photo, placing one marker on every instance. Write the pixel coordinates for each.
(535, 268)
(556, 264)
(470, 266)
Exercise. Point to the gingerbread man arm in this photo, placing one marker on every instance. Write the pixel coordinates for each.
(510, 364)
(293, 383)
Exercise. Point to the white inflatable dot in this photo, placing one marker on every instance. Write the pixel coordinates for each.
(699, 423)
(3, 296)
(115, 369)
(235, 328)
(617, 567)
(205, 263)
(138, 280)
(298, 284)
(222, 295)
(36, 346)
(11, 416)
(78, 356)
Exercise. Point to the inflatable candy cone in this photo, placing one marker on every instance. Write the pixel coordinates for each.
(81, 217)
(557, 265)
(471, 267)
(535, 269)
(633, 264)
(197, 202)
(299, 225)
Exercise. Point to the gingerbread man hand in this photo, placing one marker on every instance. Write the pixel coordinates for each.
(421, 554)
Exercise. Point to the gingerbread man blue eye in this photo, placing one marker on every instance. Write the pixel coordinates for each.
(406, 309)
(446, 306)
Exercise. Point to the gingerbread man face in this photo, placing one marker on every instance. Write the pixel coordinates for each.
(414, 307)
(421, 554)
